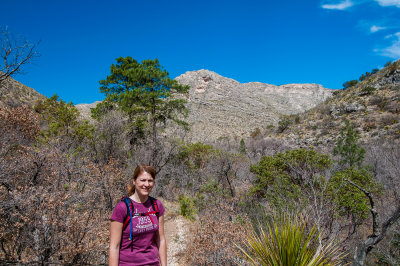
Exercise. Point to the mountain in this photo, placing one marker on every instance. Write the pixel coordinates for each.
(223, 107)
(219, 106)
(14, 93)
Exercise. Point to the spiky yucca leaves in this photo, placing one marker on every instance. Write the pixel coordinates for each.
(287, 242)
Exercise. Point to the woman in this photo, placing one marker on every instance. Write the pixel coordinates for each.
(140, 240)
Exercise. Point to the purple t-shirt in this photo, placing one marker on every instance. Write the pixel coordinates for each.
(143, 249)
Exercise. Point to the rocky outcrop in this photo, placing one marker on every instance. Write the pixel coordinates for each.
(223, 107)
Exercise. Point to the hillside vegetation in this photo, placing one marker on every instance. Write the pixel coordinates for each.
(372, 106)
(334, 168)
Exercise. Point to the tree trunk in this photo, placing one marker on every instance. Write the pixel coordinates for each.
(378, 230)
(154, 133)
(360, 256)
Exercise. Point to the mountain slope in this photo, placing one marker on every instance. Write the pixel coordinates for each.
(223, 107)
(372, 106)
(14, 93)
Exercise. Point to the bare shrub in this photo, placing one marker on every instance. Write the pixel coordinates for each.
(379, 101)
(265, 146)
(215, 238)
(393, 107)
(110, 138)
(388, 119)
(18, 125)
(53, 207)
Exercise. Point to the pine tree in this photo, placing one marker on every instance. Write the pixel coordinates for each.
(147, 94)
(347, 147)
(242, 148)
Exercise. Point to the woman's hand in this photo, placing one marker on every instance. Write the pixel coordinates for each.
(115, 242)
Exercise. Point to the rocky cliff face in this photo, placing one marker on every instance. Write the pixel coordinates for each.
(223, 107)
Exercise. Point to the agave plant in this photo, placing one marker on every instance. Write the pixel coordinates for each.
(287, 242)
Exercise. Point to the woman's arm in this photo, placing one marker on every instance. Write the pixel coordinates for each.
(162, 243)
(115, 241)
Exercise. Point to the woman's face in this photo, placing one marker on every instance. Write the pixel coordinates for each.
(143, 184)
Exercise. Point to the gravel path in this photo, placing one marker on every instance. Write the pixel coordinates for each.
(176, 233)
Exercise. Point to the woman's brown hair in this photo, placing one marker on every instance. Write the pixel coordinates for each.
(139, 170)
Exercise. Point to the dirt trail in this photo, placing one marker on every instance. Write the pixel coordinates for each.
(177, 234)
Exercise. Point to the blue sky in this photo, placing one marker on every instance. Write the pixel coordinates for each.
(324, 42)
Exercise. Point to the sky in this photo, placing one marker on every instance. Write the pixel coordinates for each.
(276, 42)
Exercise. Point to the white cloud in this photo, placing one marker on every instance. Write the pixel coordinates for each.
(375, 28)
(389, 2)
(342, 5)
(392, 51)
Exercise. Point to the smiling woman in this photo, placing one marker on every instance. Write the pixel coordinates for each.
(137, 224)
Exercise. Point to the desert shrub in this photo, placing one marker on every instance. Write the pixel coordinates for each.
(256, 132)
(285, 179)
(323, 132)
(19, 125)
(379, 101)
(196, 155)
(254, 209)
(337, 92)
(59, 225)
(101, 109)
(187, 208)
(110, 138)
(388, 63)
(323, 109)
(287, 241)
(349, 84)
(283, 123)
(265, 146)
(329, 123)
(297, 119)
(393, 107)
(242, 148)
(349, 200)
(215, 237)
(368, 90)
(388, 120)
(368, 74)
(389, 252)
(369, 125)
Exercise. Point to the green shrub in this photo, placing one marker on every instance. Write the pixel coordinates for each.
(388, 63)
(348, 199)
(286, 241)
(297, 119)
(187, 208)
(283, 178)
(368, 90)
(349, 83)
(336, 92)
(284, 123)
(242, 148)
(196, 155)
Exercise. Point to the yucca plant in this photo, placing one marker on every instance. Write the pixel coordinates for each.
(287, 242)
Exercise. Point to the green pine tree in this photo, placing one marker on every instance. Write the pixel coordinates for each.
(147, 94)
(347, 147)
(242, 148)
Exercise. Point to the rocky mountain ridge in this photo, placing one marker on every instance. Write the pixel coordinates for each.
(219, 106)
(223, 107)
